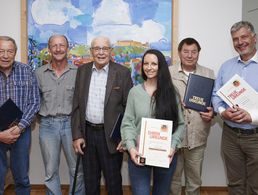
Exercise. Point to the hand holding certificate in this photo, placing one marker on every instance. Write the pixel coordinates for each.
(238, 92)
(155, 142)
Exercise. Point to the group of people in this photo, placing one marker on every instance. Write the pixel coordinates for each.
(78, 107)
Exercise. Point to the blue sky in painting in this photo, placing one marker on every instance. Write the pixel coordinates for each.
(81, 20)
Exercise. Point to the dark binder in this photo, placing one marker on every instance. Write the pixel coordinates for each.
(198, 92)
(115, 134)
(10, 115)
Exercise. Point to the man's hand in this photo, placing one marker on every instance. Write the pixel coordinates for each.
(120, 147)
(78, 145)
(10, 136)
(237, 115)
(207, 116)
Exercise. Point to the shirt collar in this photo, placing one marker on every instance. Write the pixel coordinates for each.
(180, 69)
(49, 67)
(105, 68)
(253, 59)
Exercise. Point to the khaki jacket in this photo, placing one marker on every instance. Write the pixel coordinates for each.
(197, 130)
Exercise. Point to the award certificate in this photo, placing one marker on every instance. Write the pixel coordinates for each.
(155, 142)
(238, 92)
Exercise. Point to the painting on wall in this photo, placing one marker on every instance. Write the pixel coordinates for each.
(132, 26)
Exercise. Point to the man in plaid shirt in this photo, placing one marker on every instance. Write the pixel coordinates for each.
(17, 82)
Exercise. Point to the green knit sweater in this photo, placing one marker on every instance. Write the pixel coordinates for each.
(138, 106)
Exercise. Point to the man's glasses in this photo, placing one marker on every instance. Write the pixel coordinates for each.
(9, 52)
(98, 49)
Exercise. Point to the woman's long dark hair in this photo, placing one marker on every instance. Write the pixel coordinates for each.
(165, 95)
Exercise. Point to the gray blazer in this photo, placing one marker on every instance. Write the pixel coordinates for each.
(119, 83)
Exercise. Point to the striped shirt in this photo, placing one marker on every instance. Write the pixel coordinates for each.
(21, 86)
(96, 98)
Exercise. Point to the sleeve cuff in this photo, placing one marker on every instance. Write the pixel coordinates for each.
(221, 109)
(254, 116)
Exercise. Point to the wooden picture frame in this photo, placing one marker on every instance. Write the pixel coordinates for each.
(24, 31)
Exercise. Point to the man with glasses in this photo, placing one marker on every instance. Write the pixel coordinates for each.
(239, 142)
(56, 82)
(18, 83)
(100, 95)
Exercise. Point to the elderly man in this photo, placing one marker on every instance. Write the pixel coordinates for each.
(56, 82)
(100, 96)
(17, 82)
(239, 138)
(191, 155)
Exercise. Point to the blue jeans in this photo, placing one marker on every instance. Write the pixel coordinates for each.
(54, 133)
(19, 163)
(140, 177)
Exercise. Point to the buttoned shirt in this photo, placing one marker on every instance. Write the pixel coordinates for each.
(21, 86)
(56, 92)
(248, 71)
(96, 96)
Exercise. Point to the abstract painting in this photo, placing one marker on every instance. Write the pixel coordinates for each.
(133, 27)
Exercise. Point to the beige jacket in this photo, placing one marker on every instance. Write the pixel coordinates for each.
(197, 130)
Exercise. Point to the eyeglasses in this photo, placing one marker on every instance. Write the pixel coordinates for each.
(9, 52)
(98, 49)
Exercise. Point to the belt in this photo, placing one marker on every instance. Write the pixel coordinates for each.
(95, 126)
(243, 131)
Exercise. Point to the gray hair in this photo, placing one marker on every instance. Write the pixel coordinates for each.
(57, 35)
(7, 38)
(242, 24)
(101, 38)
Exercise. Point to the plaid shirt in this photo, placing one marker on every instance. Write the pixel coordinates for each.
(21, 86)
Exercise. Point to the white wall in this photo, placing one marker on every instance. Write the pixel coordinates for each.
(207, 21)
(250, 13)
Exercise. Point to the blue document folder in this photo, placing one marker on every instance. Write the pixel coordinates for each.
(198, 92)
(115, 133)
(10, 115)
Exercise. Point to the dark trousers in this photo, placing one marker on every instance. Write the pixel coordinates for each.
(240, 154)
(97, 158)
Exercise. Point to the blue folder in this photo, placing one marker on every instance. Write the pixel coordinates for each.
(10, 115)
(115, 133)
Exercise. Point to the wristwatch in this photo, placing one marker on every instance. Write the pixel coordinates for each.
(21, 128)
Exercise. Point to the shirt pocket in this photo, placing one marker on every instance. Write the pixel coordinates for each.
(48, 94)
(21, 87)
(69, 90)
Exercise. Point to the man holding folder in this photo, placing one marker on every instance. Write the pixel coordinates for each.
(239, 141)
(18, 83)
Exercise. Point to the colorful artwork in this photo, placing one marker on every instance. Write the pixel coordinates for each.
(132, 26)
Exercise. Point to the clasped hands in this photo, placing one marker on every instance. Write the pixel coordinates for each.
(237, 115)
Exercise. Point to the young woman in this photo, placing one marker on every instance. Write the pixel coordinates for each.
(155, 98)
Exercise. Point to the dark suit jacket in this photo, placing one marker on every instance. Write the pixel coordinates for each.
(119, 83)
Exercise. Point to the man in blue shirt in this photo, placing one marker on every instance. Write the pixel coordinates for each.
(17, 82)
(240, 129)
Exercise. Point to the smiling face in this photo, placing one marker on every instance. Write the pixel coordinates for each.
(189, 55)
(7, 55)
(244, 42)
(58, 49)
(150, 66)
(101, 51)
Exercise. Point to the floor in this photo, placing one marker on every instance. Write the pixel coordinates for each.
(39, 190)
